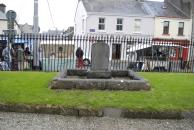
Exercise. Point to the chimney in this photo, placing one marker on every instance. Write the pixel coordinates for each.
(2, 8)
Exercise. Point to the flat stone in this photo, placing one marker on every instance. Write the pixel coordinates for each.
(99, 75)
(119, 73)
(76, 72)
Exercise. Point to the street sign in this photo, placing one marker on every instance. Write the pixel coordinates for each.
(11, 15)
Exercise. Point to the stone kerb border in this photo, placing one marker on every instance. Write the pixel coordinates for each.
(104, 112)
(134, 83)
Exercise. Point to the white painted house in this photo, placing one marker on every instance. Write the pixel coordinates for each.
(123, 17)
(145, 18)
(140, 18)
(127, 17)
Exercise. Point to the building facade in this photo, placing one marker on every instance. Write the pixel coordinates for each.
(170, 23)
(142, 18)
(159, 20)
(187, 7)
(113, 17)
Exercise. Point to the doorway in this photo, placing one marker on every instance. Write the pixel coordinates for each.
(116, 51)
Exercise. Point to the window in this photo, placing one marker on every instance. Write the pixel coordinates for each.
(181, 29)
(101, 25)
(119, 26)
(166, 27)
(137, 27)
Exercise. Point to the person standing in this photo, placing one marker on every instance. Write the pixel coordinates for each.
(28, 58)
(79, 56)
(7, 56)
(20, 58)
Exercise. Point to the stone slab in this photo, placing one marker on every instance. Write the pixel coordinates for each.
(119, 73)
(100, 56)
(99, 75)
(100, 84)
(76, 72)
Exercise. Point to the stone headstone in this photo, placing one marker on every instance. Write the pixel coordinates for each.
(100, 57)
(100, 61)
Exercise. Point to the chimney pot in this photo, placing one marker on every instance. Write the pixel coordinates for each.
(2, 8)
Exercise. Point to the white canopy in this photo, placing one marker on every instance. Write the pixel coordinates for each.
(141, 46)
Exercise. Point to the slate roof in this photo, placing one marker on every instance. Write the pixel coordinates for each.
(162, 9)
(125, 7)
(133, 8)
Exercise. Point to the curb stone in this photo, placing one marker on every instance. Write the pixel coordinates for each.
(105, 112)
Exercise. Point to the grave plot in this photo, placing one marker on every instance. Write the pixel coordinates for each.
(99, 77)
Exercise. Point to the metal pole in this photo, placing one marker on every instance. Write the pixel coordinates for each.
(36, 57)
(11, 16)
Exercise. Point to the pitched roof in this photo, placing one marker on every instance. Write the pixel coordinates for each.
(162, 9)
(133, 8)
(124, 7)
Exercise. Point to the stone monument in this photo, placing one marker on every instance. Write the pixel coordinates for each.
(100, 61)
(99, 76)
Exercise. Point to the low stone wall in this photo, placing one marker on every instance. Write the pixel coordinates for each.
(100, 84)
(133, 83)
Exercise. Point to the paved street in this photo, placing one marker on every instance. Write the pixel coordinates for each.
(18, 121)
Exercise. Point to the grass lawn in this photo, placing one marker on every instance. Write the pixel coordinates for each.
(170, 91)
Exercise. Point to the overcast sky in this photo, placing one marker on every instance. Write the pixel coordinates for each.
(63, 12)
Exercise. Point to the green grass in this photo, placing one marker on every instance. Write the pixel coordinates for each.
(170, 91)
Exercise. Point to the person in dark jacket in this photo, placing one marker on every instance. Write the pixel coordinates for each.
(28, 58)
(79, 56)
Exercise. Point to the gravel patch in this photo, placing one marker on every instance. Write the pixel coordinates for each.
(20, 121)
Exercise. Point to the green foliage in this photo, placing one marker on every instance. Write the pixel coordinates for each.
(170, 91)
